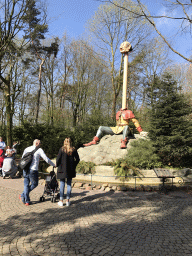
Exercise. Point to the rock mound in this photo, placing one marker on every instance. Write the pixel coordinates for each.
(108, 149)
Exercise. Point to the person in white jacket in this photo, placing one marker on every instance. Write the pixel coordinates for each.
(31, 175)
(9, 166)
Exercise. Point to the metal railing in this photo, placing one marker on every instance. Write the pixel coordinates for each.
(180, 181)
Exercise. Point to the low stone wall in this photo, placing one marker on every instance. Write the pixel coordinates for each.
(105, 174)
(111, 187)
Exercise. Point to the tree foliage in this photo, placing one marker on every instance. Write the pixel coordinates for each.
(143, 155)
(124, 170)
(171, 129)
(85, 167)
(18, 17)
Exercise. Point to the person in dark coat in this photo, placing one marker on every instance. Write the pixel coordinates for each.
(66, 162)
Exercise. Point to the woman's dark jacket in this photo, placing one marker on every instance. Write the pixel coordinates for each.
(67, 164)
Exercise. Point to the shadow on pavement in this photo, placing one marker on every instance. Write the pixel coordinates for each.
(101, 224)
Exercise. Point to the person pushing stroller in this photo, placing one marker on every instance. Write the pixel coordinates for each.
(31, 175)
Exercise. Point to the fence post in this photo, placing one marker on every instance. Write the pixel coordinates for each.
(91, 182)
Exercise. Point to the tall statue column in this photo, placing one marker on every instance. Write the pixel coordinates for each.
(125, 48)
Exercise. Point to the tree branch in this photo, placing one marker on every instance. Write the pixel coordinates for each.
(159, 33)
(147, 17)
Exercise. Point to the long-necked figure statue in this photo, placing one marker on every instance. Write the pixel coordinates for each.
(124, 115)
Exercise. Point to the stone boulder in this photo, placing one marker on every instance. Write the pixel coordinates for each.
(107, 150)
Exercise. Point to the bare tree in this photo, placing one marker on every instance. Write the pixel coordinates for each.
(182, 73)
(111, 26)
(16, 16)
(80, 74)
(42, 53)
(184, 19)
(50, 85)
(81, 77)
(65, 71)
(155, 60)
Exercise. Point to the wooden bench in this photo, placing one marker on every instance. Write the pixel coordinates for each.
(164, 174)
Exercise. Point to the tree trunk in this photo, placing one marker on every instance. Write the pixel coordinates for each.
(39, 91)
(9, 114)
(114, 106)
(52, 97)
(74, 117)
(52, 108)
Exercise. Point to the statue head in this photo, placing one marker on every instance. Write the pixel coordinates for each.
(125, 47)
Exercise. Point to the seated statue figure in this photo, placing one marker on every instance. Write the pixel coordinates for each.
(122, 126)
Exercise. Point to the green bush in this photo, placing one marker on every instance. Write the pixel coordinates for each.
(51, 137)
(85, 167)
(142, 155)
(171, 125)
(123, 168)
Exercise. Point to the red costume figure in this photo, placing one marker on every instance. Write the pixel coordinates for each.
(122, 126)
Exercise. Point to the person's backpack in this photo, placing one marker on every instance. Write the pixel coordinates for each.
(26, 160)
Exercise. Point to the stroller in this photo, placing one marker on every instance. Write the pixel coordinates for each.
(51, 187)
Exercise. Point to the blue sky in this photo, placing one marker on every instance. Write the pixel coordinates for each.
(71, 16)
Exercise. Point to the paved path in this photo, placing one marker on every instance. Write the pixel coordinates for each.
(96, 223)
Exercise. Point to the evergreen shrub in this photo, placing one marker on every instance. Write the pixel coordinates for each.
(171, 126)
(85, 167)
(125, 170)
(142, 155)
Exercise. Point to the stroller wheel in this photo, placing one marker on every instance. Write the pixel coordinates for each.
(51, 199)
(42, 199)
(54, 199)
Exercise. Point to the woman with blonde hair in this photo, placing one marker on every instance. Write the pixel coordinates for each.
(66, 162)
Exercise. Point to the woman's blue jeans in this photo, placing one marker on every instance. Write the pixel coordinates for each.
(62, 187)
(30, 182)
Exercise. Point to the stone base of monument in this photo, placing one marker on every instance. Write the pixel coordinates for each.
(107, 150)
(105, 174)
